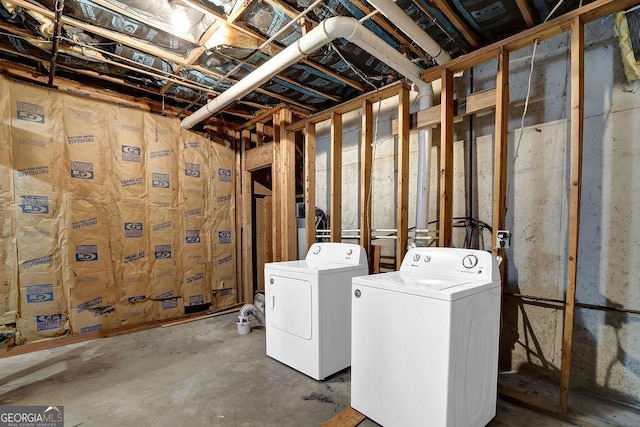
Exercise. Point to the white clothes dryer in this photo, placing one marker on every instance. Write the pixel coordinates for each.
(308, 308)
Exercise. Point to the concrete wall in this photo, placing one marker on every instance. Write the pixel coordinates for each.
(606, 354)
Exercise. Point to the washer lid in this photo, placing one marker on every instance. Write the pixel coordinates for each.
(438, 287)
(313, 267)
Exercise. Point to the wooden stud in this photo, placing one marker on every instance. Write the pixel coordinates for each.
(276, 189)
(239, 217)
(288, 195)
(247, 224)
(577, 133)
(526, 11)
(587, 13)
(469, 35)
(375, 264)
(310, 185)
(366, 141)
(336, 178)
(259, 133)
(446, 161)
(402, 203)
(501, 142)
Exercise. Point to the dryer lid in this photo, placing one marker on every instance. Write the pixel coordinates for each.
(315, 267)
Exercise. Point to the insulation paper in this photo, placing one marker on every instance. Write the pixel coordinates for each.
(163, 236)
(87, 235)
(134, 303)
(92, 320)
(195, 285)
(223, 273)
(41, 293)
(109, 216)
(35, 157)
(130, 237)
(629, 58)
(91, 290)
(161, 135)
(127, 154)
(165, 293)
(85, 135)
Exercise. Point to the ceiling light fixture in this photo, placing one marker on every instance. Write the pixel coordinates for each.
(179, 17)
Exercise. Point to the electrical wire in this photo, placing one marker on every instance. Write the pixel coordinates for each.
(369, 216)
(353, 68)
(528, 96)
(554, 10)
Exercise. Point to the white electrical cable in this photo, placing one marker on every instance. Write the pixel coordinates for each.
(374, 144)
(354, 69)
(528, 96)
(553, 10)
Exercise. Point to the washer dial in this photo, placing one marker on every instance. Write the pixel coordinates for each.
(469, 261)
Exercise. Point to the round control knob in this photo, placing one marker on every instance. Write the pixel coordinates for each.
(416, 257)
(357, 293)
(469, 261)
(427, 258)
(271, 280)
(349, 251)
(316, 250)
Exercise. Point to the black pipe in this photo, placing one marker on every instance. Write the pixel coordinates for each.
(468, 163)
(561, 303)
(59, 6)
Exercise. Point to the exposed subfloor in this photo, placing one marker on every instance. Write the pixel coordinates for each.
(194, 374)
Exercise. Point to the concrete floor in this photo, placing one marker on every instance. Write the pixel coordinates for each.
(195, 374)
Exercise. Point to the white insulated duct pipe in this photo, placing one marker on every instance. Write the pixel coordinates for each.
(408, 26)
(325, 32)
(397, 16)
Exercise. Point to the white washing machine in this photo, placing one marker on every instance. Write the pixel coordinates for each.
(308, 308)
(425, 340)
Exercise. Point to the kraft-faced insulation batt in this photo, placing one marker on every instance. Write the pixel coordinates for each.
(109, 215)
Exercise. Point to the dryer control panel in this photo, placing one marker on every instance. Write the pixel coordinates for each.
(452, 262)
(339, 253)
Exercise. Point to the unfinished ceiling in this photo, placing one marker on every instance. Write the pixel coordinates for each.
(178, 54)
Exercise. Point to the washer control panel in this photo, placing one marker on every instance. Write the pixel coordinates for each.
(452, 262)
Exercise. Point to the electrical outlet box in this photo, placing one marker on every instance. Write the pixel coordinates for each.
(503, 239)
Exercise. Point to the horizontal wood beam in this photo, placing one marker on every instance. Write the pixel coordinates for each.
(469, 35)
(559, 25)
(354, 104)
(473, 103)
(258, 158)
(526, 12)
(267, 116)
